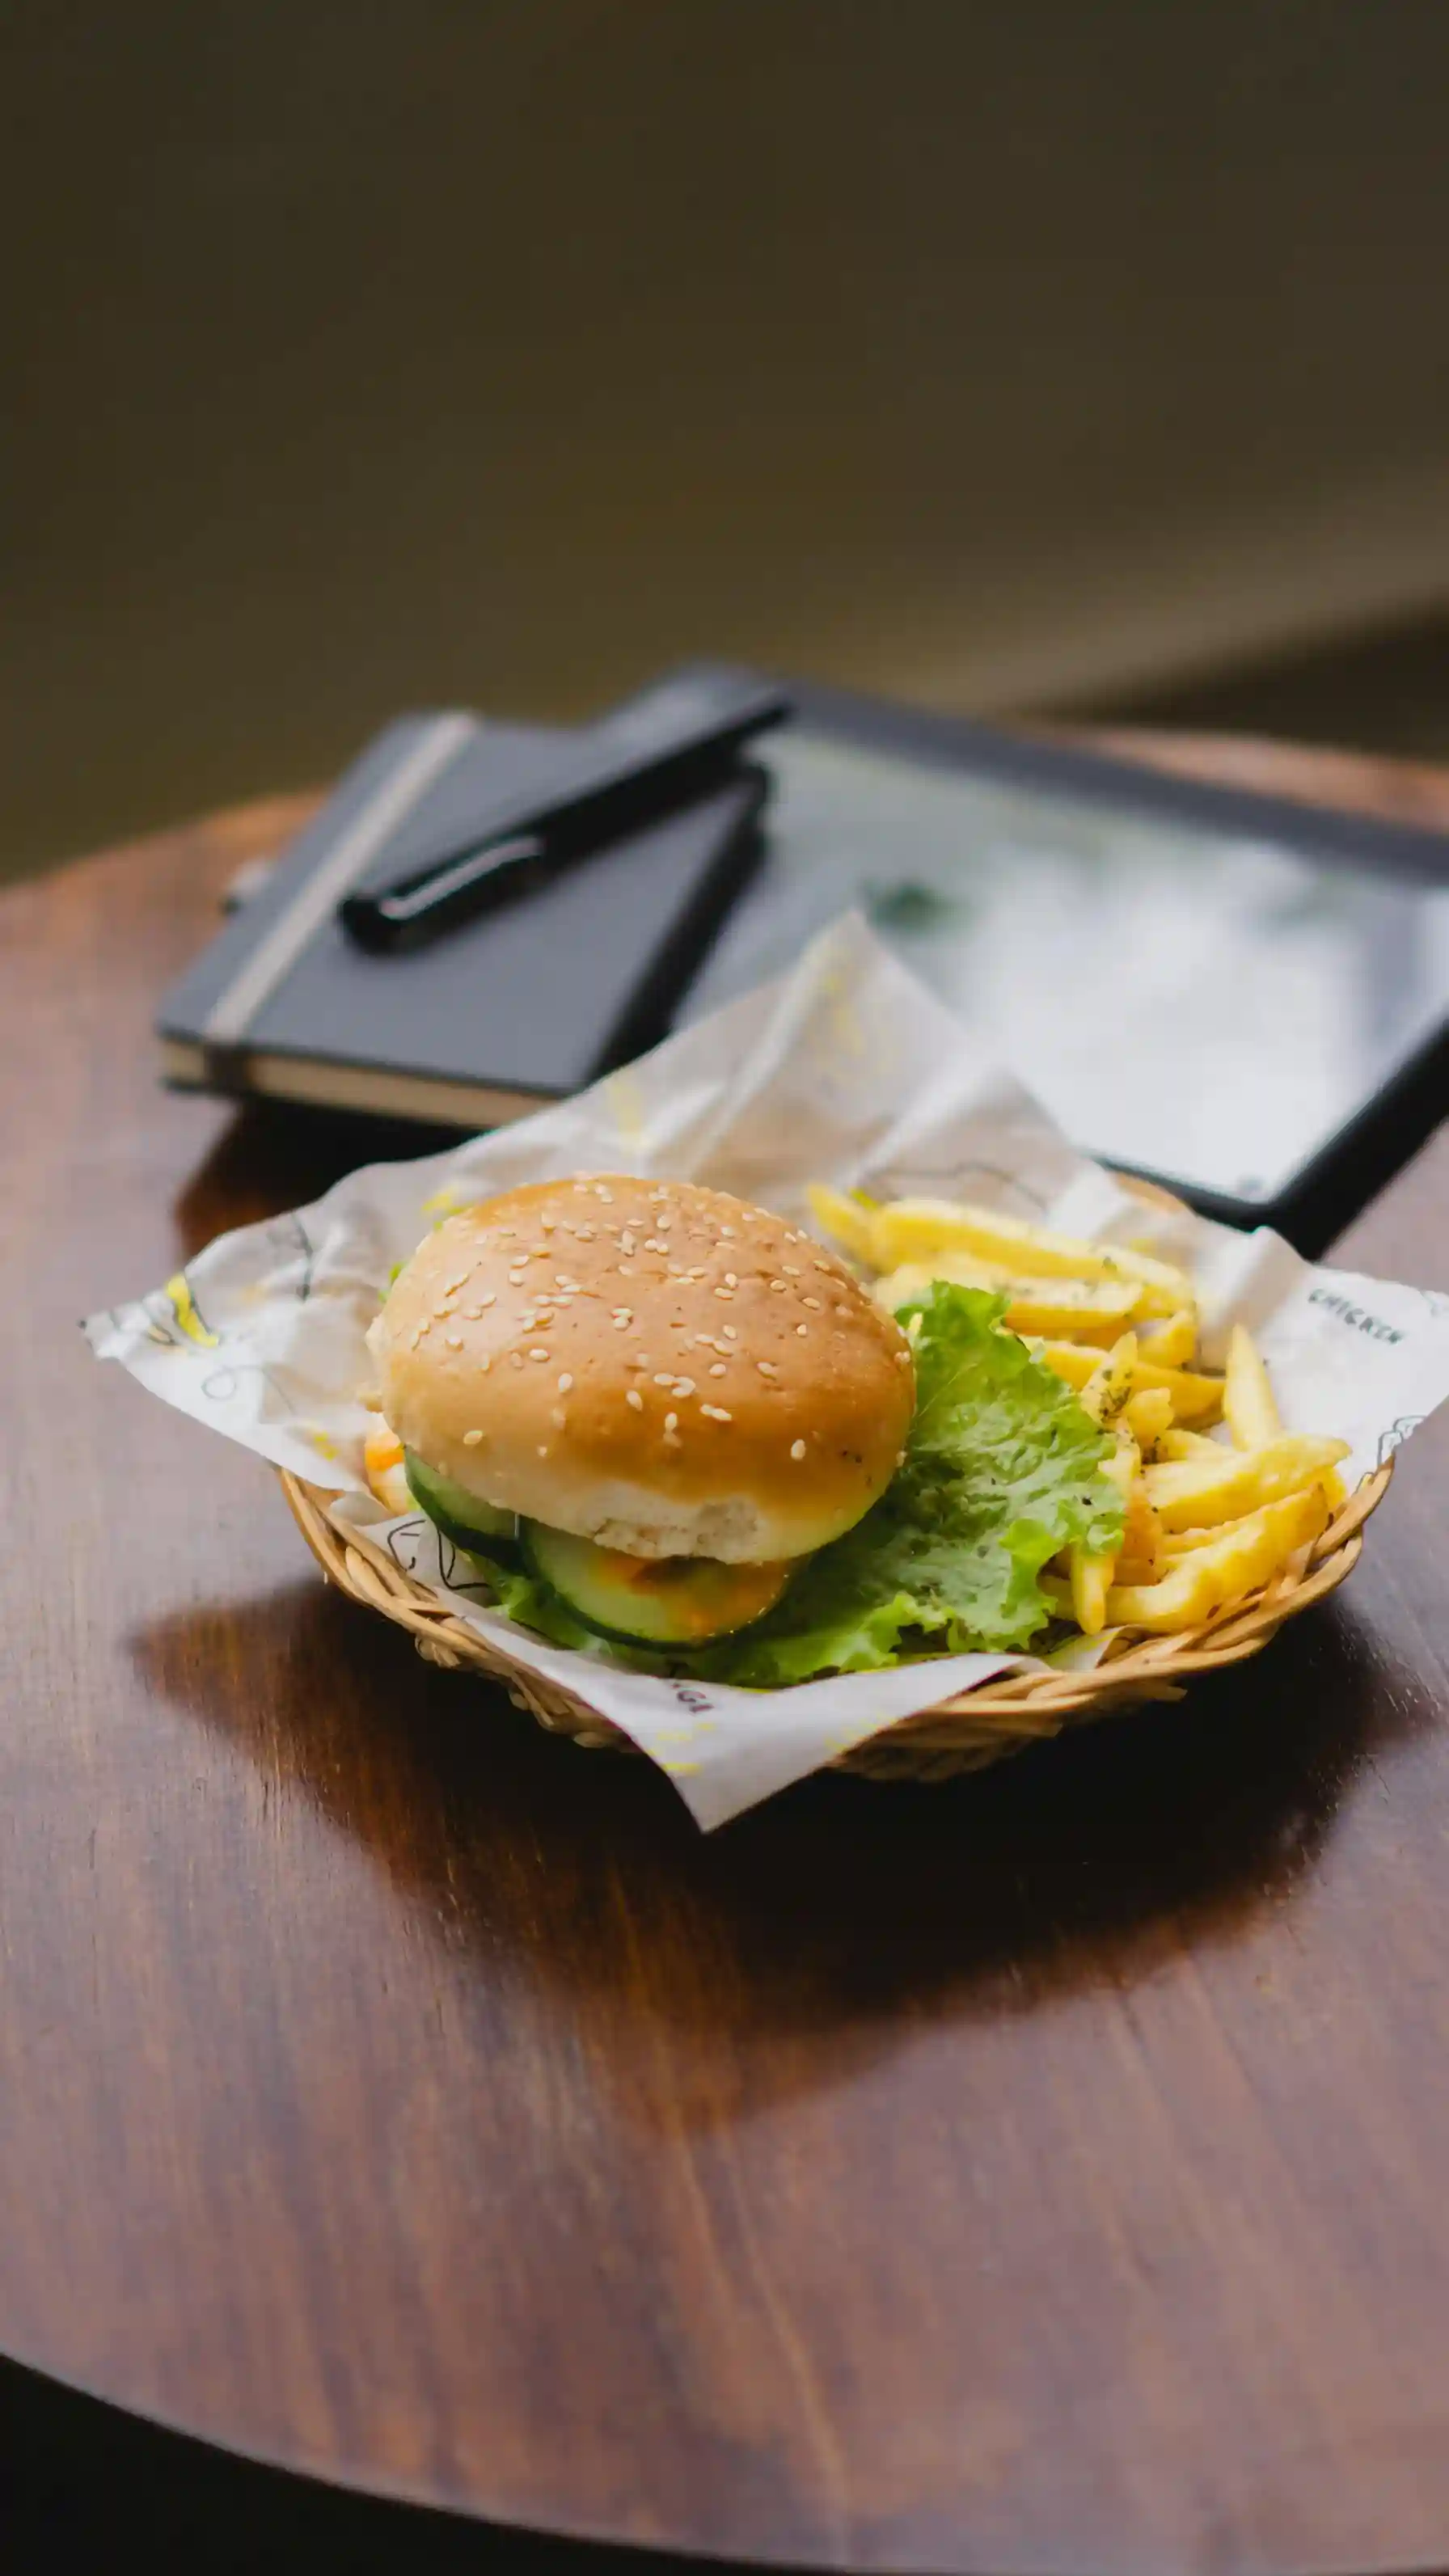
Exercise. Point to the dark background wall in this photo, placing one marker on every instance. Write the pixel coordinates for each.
(371, 352)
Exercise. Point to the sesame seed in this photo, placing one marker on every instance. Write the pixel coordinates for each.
(624, 1270)
(903, 1358)
(584, 1233)
(606, 1195)
(662, 1224)
(790, 1269)
(666, 1378)
(538, 1352)
(730, 1280)
(730, 1335)
(726, 1293)
(671, 1421)
(716, 1413)
(634, 1397)
(802, 1330)
(489, 1298)
(719, 1370)
(417, 1337)
(684, 1386)
(822, 1266)
(558, 1417)
(767, 1368)
(452, 1286)
(471, 1439)
(627, 1244)
(778, 1288)
(485, 1365)
(900, 1457)
(426, 1325)
(565, 1382)
(797, 1450)
(543, 1448)
(454, 1341)
(548, 1223)
(672, 1440)
(727, 1231)
(812, 1302)
(622, 1320)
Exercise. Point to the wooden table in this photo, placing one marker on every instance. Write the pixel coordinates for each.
(1044, 2173)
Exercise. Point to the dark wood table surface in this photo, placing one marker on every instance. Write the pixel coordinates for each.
(1045, 2173)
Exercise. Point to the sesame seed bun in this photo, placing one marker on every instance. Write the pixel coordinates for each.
(654, 1366)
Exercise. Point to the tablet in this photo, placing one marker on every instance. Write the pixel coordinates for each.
(1240, 997)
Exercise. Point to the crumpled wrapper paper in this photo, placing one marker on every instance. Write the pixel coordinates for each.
(849, 1071)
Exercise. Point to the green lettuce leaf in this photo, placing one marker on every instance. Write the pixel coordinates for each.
(1003, 1468)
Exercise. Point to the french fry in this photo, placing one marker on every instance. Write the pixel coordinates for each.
(1197, 1492)
(382, 1457)
(920, 1229)
(1097, 1306)
(1180, 1543)
(1133, 1570)
(847, 1218)
(1179, 1444)
(1148, 1415)
(1110, 1384)
(1238, 1561)
(1172, 1344)
(1089, 1582)
(1072, 1361)
(1194, 1398)
(1142, 1540)
(1248, 1407)
(1090, 1576)
(1069, 1306)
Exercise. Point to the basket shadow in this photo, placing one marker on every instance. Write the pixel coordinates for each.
(813, 1933)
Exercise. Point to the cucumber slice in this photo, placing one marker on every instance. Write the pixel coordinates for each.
(460, 1515)
(663, 1601)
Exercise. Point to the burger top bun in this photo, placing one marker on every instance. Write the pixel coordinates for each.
(657, 1367)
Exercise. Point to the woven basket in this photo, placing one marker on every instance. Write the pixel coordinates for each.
(959, 1734)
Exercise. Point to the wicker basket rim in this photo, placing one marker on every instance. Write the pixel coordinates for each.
(961, 1731)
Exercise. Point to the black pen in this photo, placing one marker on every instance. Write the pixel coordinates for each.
(661, 749)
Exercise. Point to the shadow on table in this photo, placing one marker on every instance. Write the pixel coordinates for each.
(75, 2472)
(278, 1154)
(832, 1919)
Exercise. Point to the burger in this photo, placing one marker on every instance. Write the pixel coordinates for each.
(666, 1399)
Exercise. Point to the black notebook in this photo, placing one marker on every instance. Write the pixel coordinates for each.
(1243, 998)
(517, 1007)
